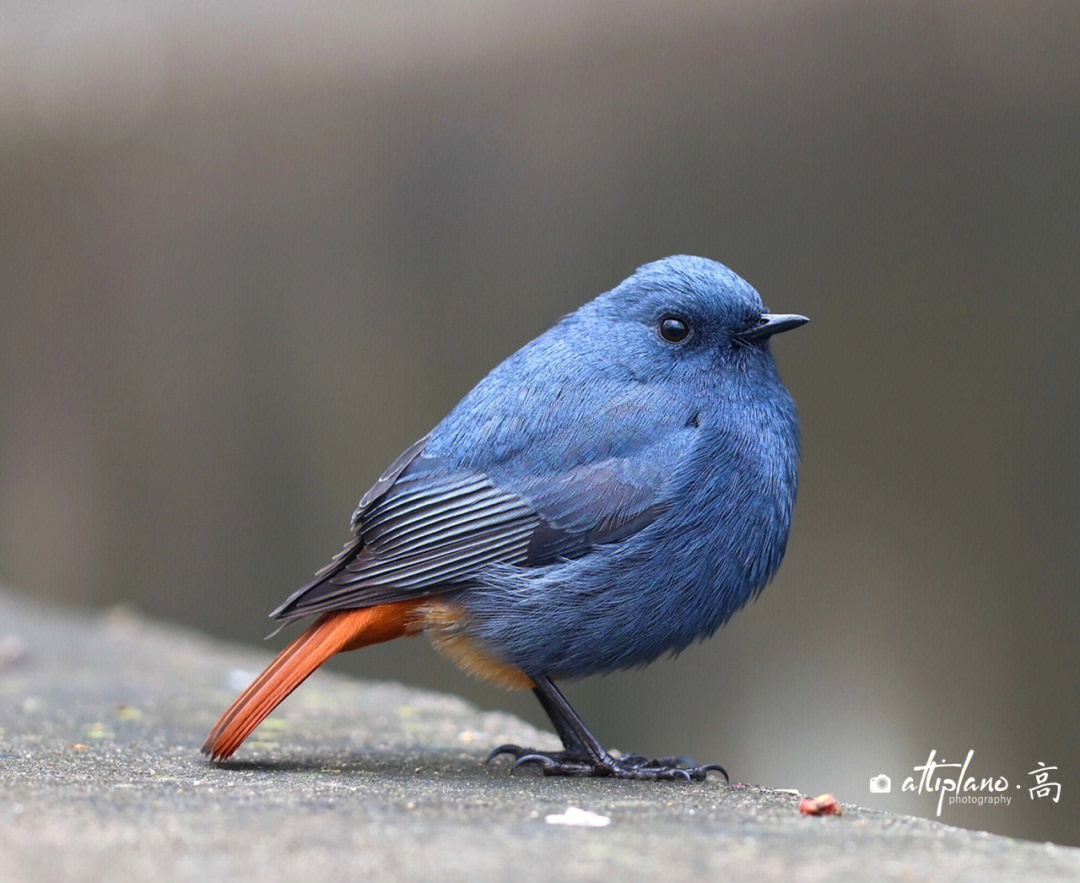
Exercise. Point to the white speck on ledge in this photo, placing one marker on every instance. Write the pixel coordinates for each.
(580, 818)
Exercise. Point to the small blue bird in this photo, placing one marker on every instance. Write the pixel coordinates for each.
(613, 491)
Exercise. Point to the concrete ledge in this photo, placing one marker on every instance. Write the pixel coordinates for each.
(101, 718)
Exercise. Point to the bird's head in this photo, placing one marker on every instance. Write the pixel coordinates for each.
(688, 313)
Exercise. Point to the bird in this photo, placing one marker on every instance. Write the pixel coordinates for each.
(612, 492)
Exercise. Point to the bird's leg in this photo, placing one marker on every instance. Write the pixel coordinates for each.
(573, 748)
(583, 755)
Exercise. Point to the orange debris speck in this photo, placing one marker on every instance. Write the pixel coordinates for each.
(825, 805)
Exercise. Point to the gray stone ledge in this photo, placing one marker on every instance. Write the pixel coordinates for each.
(102, 715)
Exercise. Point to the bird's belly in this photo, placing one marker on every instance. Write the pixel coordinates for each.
(445, 624)
(575, 619)
(627, 603)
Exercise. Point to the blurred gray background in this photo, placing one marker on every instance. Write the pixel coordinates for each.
(250, 251)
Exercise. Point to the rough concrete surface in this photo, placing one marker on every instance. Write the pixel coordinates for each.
(102, 715)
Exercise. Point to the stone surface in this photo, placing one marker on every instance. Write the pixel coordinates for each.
(102, 715)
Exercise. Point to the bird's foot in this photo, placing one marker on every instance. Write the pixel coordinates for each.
(527, 755)
(629, 766)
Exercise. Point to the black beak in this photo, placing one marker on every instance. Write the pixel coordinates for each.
(772, 323)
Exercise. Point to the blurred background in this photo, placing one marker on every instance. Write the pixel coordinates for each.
(250, 251)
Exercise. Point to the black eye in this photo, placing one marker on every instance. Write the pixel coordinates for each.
(673, 329)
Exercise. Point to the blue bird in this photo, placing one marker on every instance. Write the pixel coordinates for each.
(613, 491)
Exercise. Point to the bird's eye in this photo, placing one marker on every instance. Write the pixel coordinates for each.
(673, 329)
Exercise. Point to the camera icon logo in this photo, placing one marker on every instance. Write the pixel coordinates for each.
(880, 784)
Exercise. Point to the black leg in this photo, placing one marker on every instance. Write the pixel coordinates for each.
(572, 742)
(583, 755)
(573, 749)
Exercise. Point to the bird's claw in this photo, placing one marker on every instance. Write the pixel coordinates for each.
(524, 756)
(631, 766)
(641, 761)
(674, 767)
(715, 766)
(542, 760)
(508, 748)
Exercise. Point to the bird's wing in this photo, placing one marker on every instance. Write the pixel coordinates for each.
(427, 526)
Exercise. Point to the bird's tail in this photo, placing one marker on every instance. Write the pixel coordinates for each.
(330, 634)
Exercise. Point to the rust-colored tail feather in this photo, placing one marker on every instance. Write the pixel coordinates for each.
(330, 634)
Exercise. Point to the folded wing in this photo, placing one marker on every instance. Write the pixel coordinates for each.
(426, 527)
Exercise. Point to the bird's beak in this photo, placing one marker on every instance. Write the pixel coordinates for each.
(773, 323)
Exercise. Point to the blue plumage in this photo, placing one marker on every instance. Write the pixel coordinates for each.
(603, 496)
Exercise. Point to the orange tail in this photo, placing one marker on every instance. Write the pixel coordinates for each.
(329, 634)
